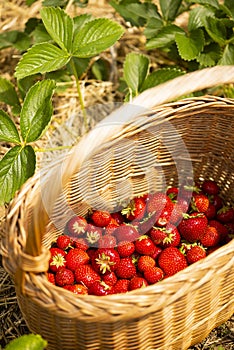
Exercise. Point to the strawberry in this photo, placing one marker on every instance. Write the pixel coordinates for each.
(92, 235)
(126, 232)
(164, 216)
(118, 217)
(172, 192)
(125, 248)
(80, 243)
(110, 228)
(86, 275)
(144, 262)
(192, 227)
(109, 277)
(156, 252)
(157, 202)
(144, 225)
(125, 269)
(165, 236)
(57, 259)
(64, 242)
(135, 209)
(195, 253)
(171, 261)
(210, 187)
(217, 201)
(107, 241)
(105, 259)
(137, 282)
(64, 276)
(153, 274)
(51, 277)
(225, 214)
(76, 226)
(144, 245)
(77, 288)
(76, 257)
(179, 209)
(221, 228)
(211, 237)
(100, 218)
(121, 286)
(199, 202)
(210, 213)
(100, 288)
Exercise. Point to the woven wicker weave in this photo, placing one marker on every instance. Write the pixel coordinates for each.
(191, 138)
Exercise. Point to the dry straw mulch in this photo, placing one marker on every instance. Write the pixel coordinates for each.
(66, 128)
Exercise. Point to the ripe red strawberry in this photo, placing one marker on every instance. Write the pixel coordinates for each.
(125, 248)
(144, 245)
(211, 237)
(80, 243)
(126, 232)
(86, 275)
(144, 262)
(172, 192)
(171, 261)
(144, 225)
(57, 259)
(107, 241)
(92, 235)
(210, 213)
(121, 286)
(105, 259)
(64, 242)
(77, 288)
(153, 274)
(110, 228)
(118, 217)
(76, 226)
(221, 228)
(64, 276)
(100, 218)
(156, 252)
(179, 209)
(195, 253)
(225, 214)
(100, 288)
(109, 277)
(165, 236)
(157, 202)
(210, 187)
(199, 202)
(135, 209)
(125, 269)
(76, 257)
(51, 277)
(137, 282)
(217, 201)
(193, 227)
(163, 217)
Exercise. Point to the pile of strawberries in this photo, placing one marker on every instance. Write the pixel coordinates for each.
(151, 238)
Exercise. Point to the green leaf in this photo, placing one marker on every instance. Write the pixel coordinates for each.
(210, 55)
(164, 37)
(41, 58)
(197, 17)
(144, 10)
(80, 21)
(152, 27)
(96, 36)
(216, 30)
(101, 70)
(25, 84)
(8, 130)
(36, 110)
(30, 2)
(54, 3)
(136, 68)
(40, 35)
(59, 25)
(190, 47)
(123, 9)
(14, 38)
(81, 3)
(229, 4)
(228, 56)
(160, 76)
(27, 342)
(17, 165)
(212, 3)
(8, 94)
(170, 9)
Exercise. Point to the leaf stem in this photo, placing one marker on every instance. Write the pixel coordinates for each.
(80, 96)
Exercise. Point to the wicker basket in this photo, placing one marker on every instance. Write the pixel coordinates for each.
(134, 150)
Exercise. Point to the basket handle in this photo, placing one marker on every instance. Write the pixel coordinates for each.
(111, 126)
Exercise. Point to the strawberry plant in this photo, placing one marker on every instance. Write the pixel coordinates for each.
(207, 39)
